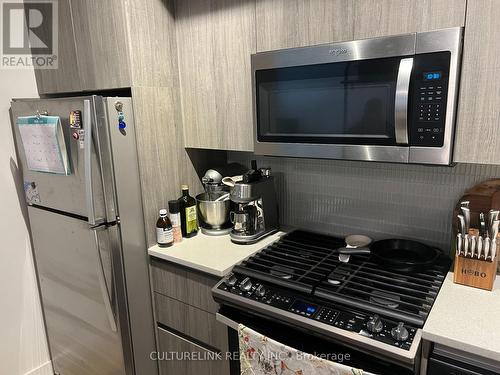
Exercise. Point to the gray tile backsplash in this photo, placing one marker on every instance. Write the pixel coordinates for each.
(378, 199)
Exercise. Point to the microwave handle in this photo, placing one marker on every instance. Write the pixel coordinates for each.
(401, 101)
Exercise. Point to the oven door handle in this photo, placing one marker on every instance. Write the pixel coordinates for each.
(226, 321)
(401, 101)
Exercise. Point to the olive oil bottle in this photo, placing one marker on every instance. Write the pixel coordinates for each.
(189, 220)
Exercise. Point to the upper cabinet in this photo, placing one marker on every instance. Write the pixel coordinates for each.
(388, 17)
(93, 49)
(101, 39)
(215, 39)
(298, 23)
(66, 78)
(477, 138)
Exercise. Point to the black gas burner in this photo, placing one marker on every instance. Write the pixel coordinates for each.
(298, 281)
(361, 283)
(282, 272)
(385, 299)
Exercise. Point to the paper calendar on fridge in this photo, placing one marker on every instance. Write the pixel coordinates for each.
(43, 143)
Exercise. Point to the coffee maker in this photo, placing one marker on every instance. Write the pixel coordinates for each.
(255, 207)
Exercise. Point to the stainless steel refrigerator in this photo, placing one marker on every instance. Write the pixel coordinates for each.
(88, 239)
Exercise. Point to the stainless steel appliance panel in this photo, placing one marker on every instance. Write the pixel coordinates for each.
(364, 49)
(436, 41)
(76, 286)
(132, 236)
(367, 147)
(65, 193)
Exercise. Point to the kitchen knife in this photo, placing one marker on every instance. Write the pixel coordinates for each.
(459, 244)
(479, 247)
(466, 215)
(472, 246)
(482, 225)
(466, 245)
(493, 250)
(492, 216)
(486, 247)
(494, 229)
(461, 224)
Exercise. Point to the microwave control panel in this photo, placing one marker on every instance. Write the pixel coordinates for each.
(430, 86)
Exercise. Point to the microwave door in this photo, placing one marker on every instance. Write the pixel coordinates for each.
(348, 110)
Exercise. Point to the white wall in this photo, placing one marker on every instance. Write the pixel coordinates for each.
(23, 346)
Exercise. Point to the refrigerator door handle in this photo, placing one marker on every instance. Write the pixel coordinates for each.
(87, 141)
(106, 292)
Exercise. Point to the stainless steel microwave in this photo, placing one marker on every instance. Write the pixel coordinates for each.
(389, 99)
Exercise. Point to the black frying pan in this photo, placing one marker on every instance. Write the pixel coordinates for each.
(397, 254)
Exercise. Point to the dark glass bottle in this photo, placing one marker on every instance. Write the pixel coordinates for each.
(189, 220)
(164, 235)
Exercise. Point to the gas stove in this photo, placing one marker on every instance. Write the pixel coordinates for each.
(299, 281)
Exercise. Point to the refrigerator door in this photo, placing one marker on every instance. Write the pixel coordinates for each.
(83, 193)
(122, 132)
(77, 288)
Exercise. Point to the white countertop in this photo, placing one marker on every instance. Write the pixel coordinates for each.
(466, 319)
(215, 255)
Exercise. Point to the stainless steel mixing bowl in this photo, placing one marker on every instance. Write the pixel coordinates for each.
(211, 214)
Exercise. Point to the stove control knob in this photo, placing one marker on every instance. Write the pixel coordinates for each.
(260, 291)
(231, 280)
(374, 325)
(400, 333)
(246, 285)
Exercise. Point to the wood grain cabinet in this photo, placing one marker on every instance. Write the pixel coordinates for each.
(477, 138)
(101, 39)
(185, 313)
(66, 78)
(174, 348)
(93, 49)
(299, 23)
(215, 39)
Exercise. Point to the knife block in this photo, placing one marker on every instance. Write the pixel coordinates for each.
(482, 197)
(474, 272)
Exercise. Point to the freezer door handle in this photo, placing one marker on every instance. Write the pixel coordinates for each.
(106, 292)
(87, 149)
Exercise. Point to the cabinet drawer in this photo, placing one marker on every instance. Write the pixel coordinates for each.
(174, 352)
(190, 287)
(191, 321)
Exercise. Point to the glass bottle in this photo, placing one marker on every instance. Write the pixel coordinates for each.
(164, 235)
(189, 220)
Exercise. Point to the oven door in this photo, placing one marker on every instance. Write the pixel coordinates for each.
(304, 341)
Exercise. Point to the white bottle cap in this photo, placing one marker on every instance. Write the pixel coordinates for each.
(163, 212)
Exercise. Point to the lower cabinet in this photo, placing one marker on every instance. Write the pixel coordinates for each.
(191, 341)
(179, 356)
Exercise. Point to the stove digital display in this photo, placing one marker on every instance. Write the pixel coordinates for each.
(303, 308)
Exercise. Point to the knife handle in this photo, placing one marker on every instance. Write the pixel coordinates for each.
(479, 246)
(461, 224)
(466, 245)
